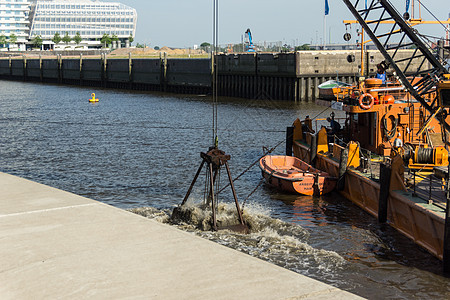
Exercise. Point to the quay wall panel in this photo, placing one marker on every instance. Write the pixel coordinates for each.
(189, 72)
(278, 64)
(237, 64)
(92, 69)
(4, 67)
(147, 71)
(17, 68)
(327, 63)
(50, 68)
(33, 68)
(117, 70)
(70, 69)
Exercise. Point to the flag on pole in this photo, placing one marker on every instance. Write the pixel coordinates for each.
(366, 4)
(407, 5)
(327, 8)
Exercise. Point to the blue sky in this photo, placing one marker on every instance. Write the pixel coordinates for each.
(184, 23)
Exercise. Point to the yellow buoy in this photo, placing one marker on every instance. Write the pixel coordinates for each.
(93, 99)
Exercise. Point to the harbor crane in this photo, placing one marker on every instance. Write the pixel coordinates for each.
(249, 47)
(390, 32)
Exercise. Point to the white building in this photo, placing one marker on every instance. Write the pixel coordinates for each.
(91, 19)
(14, 22)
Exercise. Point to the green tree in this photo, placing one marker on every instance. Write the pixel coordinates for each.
(285, 48)
(130, 38)
(205, 46)
(303, 47)
(66, 39)
(37, 41)
(77, 38)
(140, 45)
(56, 38)
(2, 40)
(12, 38)
(106, 39)
(115, 38)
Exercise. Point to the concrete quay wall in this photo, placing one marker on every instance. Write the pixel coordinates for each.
(295, 76)
(57, 245)
(278, 76)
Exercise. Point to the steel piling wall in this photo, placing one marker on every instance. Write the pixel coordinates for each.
(190, 76)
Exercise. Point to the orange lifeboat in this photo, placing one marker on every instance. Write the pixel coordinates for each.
(290, 174)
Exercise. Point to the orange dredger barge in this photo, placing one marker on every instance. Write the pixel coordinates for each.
(398, 124)
(415, 209)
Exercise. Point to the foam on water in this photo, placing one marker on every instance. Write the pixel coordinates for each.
(270, 239)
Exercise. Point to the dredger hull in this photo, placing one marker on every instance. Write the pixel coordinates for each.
(405, 213)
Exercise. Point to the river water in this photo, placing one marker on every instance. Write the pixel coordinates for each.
(134, 150)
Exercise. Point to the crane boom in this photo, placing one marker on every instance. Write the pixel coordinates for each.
(430, 71)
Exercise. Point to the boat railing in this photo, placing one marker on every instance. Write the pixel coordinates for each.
(429, 186)
(324, 120)
(344, 92)
(369, 161)
(395, 90)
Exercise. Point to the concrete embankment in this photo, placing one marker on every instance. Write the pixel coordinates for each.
(57, 245)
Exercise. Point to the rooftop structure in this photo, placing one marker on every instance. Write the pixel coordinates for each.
(91, 19)
(14, 21)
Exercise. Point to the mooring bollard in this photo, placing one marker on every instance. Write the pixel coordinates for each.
(385, 180)
(289, 140)
(342, 169)
(313, 150)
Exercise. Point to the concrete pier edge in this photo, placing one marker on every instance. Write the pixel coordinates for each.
(55, 244)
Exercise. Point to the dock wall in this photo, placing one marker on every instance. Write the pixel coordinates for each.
(174, 75)
(273, 76)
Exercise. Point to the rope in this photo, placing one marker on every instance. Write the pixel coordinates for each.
(425, 155)
(265, 152)
(252, 192)
(249, 167)
(255, 189)
(321, 112)
(256, 161)
(429, 43)
(389, 134)
(433, 16)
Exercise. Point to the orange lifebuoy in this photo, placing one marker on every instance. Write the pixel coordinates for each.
(366, 106)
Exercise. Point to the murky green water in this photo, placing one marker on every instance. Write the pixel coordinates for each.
(136, 149)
